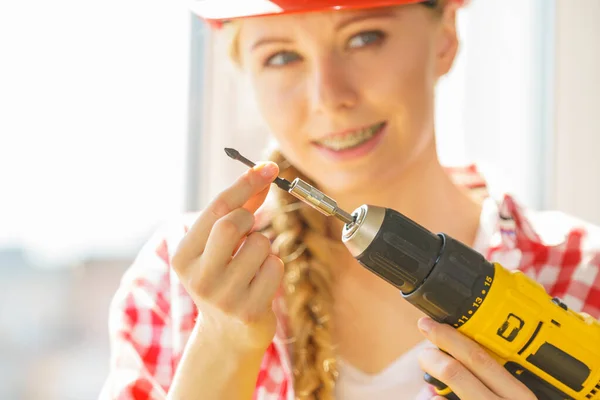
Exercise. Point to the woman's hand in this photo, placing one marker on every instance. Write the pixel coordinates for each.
(232, 277)
(229, 272)
(472, 374)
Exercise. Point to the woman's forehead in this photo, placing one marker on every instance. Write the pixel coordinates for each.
(327, 20)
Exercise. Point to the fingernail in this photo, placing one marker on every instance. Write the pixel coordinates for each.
(267, 170)
(425, 324)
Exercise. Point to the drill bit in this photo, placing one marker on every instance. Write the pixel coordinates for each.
(302, 191)
(280, 182)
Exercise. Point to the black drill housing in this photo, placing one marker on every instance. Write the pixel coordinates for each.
(436, 273)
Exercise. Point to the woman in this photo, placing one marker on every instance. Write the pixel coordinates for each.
(348, 95)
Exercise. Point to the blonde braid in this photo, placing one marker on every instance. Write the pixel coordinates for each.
(302, 243)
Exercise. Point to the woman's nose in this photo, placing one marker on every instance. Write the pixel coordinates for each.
(331, 89)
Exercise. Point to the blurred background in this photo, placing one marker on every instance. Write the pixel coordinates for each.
(113, 116)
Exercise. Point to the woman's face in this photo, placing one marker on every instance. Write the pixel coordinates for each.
(349, 95)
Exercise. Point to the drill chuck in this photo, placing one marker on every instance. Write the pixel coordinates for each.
(405, 254)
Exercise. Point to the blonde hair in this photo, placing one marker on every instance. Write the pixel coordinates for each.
(302, 242)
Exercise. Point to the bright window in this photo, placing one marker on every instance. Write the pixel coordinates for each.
(93, 126)
(93, 106)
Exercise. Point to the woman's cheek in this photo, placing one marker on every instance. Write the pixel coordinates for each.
(270, 92)
(284, 110)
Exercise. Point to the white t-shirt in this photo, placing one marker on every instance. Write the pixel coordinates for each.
(403, 378)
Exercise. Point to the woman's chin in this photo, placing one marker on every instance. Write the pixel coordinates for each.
(347, 183)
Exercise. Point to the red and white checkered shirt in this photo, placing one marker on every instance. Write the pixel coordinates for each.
(151, 315)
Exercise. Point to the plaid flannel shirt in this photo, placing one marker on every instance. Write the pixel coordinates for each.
(151, 315)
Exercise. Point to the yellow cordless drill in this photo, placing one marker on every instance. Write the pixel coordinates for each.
(553, 350)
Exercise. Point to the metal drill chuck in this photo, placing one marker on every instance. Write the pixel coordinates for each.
(392, 246)
(358, 235)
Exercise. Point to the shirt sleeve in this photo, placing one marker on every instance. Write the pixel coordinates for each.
(140, 329)
(578, 281)
(567, 262)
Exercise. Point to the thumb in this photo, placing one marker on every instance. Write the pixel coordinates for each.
(269, 170)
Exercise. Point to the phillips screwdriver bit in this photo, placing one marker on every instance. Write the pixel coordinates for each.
(302, 191)
(280, 182)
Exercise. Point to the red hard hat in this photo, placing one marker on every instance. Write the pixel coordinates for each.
(217, 11)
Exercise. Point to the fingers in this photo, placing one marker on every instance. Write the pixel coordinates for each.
(257, 200)
(472, 367)
(262, 287)
(455, 375)
(252, 279)
(248, 260)
(226, 233)
(248, 191)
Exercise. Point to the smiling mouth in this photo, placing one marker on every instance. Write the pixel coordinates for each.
(350, 140)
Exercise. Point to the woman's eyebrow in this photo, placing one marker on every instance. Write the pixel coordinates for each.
(270, 40)
(383, 14)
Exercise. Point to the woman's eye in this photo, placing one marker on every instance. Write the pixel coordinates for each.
(366, 38)
(281, 58)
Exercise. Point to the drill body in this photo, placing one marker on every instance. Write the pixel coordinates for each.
(553, 350)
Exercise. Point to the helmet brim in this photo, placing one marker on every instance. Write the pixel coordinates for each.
(218, 11)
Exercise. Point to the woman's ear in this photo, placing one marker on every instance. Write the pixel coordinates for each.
(447, 43)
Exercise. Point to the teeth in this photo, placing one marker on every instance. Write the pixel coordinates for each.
(350, 140)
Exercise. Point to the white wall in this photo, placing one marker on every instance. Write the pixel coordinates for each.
(575, 183)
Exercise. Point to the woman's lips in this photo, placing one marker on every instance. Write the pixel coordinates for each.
(354, 152)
